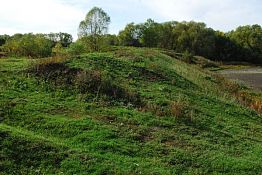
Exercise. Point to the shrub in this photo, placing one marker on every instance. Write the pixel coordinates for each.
(187, 57)
(88, 81)
(59, 51)
(35, 46)
(78, 48)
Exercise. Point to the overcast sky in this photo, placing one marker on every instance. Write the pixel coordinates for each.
(45, 16)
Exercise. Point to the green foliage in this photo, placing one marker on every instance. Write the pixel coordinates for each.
(194, 37)
(150, 33)
(166, 35)
(78, 47)
(29, 45)
(187, 57)
(249, 40)
(111, 40)
(95, 23)
(58, 50)
(94, 26)
(225, 48)
(130, 35)
(64, 39)
(185, 36)
(243, 44)
(3, 39)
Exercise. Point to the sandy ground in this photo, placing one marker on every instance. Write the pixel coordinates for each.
(251, 77)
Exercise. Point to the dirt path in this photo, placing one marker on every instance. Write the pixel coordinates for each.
(251, 77)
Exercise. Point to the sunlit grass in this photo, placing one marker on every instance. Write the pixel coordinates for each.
(145, 113)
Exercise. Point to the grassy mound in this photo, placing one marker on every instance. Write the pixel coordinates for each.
(128, 111)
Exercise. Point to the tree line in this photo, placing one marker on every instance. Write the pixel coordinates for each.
(242, 44)
(34, 45)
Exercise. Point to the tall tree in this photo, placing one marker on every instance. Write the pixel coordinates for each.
(94, 26)
(131, 35)
(150, 33)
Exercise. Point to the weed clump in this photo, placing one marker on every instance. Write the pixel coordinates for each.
(227, 85)
(249, 100)
(187, 57)
(177, 109)
(242, 97)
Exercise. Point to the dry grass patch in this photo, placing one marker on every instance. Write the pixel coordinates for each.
(178, 108)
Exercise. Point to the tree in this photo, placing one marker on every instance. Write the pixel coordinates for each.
(64, 38)
(225, 48)
(111, 40)
(249, 40)
(194, 37)
(130, 36)
(150, 33)
(166, 35)
(94, 26)
(3, 39)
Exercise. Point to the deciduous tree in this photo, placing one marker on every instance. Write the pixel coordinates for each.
(94, 26)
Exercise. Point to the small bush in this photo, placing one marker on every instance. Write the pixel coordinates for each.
(88, 81)
(77, 48)
(59, 51)
(187, 57)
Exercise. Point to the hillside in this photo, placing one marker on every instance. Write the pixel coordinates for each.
(127, 111)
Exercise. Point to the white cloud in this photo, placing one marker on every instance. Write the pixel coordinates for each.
(18, 16)
(44, 16)
(220, 14)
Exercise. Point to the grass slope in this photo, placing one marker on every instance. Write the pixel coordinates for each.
(128, 111)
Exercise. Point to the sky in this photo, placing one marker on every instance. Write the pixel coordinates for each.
(45, 16)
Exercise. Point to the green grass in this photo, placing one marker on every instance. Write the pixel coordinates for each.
(110, 113)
